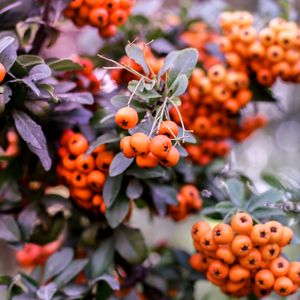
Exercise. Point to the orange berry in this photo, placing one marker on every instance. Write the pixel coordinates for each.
(238, 273)
(207, 241)
(108, 31)
(160, 146)
(294, 272)
(199, 229)
(217, 73)
(147, 161)
(223, 234)
(96, 180)
(275, 53)
(171, 159)
(242, 223)
(69, 162)
(127, 117)
(287, 236)
(264, 76)
(79, 180)
(85, 163)
(283, 286)
(75, 4)
(2, 72)
(247, 34)
(260, 234)
(264, 279)
(241, 245)
(267, 37)
(77, 144)
(198, 262)
(218, 270)
(168, 128)
(140, 143)
(98, 17)
(225, 254)
(94, 3)
(104, 160)
(252, 260)
(279, 266)
(126, 148)
(111, 5)
(276, 230)
(118, 17)
(81, 194)
(270, 251)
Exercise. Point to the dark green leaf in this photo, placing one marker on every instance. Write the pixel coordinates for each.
(70, 272)
(30, 284)
(272, 181)
(57, 262)
(119, 164)
(110, 280)
(111, 189)
(106, 138)
(130, 244)
(64, 65)
(147, 174)
(137, 54)
(9, 230)
(29, 60)
(102, 258)
(134, 189)
(118, 211)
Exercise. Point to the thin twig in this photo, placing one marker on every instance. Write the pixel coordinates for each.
(134, 91)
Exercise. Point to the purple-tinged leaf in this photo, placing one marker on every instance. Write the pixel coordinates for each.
(40, 72)
(81, 98)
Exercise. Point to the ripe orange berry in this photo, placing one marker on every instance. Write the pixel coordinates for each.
(218, 270)
(225, 254)
(77, 144)
(242, 223)
(238, 273)
(286, 39)
(75, 4)
(111, 5)
(171, 159)
(264, 279)
(241, 245)
(267, 36)
(85, 163)
(283, 286)
(201, 126)
(199, 229)
(126, 148)
(126, 117)
(223, 234)
(79, 180)
(247, 34)
(215, 281)
(108, 31)
(94, 3)
(287, 236)
(207, 241)
(2, 72)
(269, 251)
(276, 230)
(279, 266)
(217, 73)
(160, 146)
(81, 194)
(140, 143)
(275, 53)
(190, 193)
(264, 76)
(198, 262)
(147, 161)
(104, 160)
(96, 180)
(252, 260)
(260, 234)
(294, 272)
(118, 17)
(69, 162)
(84, 11)
(168, 128)
(98, 17)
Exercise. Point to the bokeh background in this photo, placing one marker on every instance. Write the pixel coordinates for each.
(274, 149)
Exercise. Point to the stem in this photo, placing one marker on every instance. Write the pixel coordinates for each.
(41, 34)
(134, 91)
(180, 117)
(284, 6)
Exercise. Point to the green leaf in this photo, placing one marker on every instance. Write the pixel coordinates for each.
(224, 207)
(236, 192)
(30, 284)
(118, 211)
(111, 189)
(110, 280)
(57, 262)
(169, 61)
(258, 201)
(147, 174)
(119, 164)
(184, 63)
(46, 292)
(134, 189)
(272, 181)
(179, 85)
(106, 138)
(60, 65)
(265, 213)
(137, 54)
(102, 258)
(70, 272)
(130, 244)
(9, 230)
(27, 60)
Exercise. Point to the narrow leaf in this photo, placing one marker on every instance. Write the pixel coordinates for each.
(119, 164)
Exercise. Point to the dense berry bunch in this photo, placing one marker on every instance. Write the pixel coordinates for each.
(148, 151)
(243, 258)
(11, 147)
(200, 37)
(189, 201)
(122, 76)
(105, 15)
(84, 174)
(271, 52)
(211, 108)
(85, 79)
(33, 254)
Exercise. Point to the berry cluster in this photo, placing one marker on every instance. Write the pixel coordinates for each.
(12, 147)
(149, 152)
(105, 15)
(189, 201)
(84, 174)
(85, 79)
(271, 52)
(211, 108)
(199, 36)
(243, 258)
(32, 254)
(122, 76)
